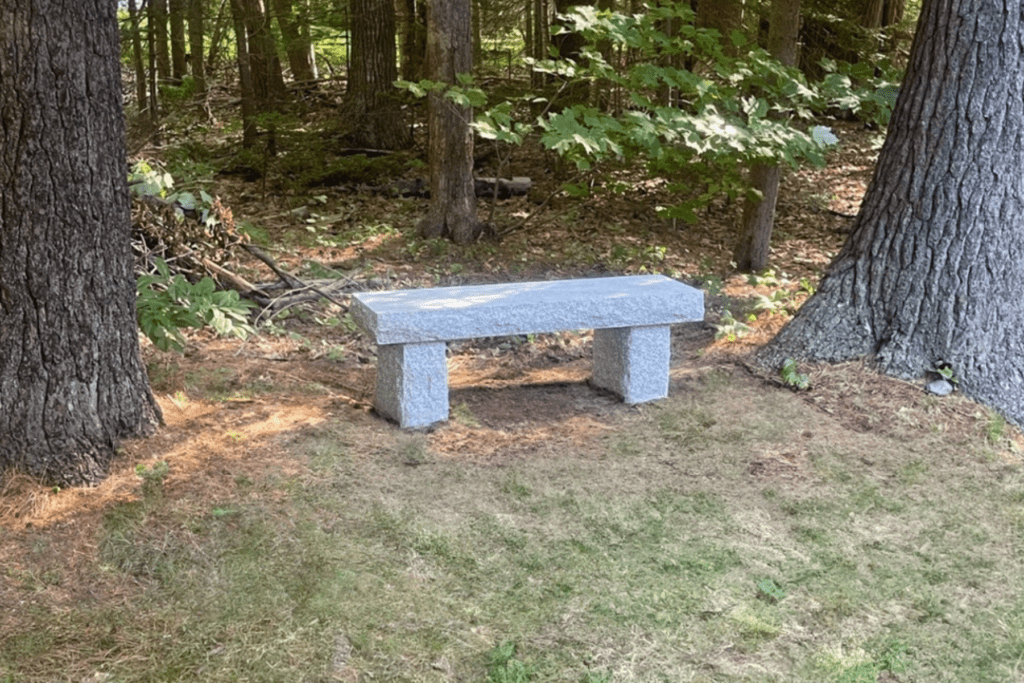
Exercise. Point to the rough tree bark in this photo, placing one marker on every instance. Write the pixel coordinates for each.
(751, 253)
(72, 383)
(452, 211)
(934, 268)
(371, 101)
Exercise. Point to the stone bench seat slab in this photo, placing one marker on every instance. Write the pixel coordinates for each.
(471, 312)
(630, 315)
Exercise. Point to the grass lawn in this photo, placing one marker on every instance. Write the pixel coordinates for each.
(734, 532)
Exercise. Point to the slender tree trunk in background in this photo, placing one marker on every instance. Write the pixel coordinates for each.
(371, 101)
(217, 36)
(267, 81)
(137, 60)
(248, 95)
(478, 46)
(893, 12)
(72, 381)
(297, 44)
(568, 44)
(196, 29)
(452, 211)
(933, 269)
(725, 16)
(873, 14)
(751, 253)
(414, 39)
(539, 48)
(179, 60)
(264, 66)
(154, 84)
(158, 22)
(600, 93)
(528, 28)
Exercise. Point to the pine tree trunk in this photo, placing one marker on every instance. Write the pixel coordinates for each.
(72, 382)
(452, 211)
(371, 102)
(934, 268)
(751, 254)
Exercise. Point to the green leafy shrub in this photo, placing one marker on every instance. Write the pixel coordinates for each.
(792, 377)
(167, 304)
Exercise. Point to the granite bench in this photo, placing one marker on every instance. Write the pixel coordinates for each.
(630, 316)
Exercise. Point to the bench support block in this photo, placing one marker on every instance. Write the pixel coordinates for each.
(633, 362)
(412, 383)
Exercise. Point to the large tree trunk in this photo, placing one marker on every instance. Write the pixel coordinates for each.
(751, 254)
(934, 268)
(72, 383)
(371, 102)
(452, 210)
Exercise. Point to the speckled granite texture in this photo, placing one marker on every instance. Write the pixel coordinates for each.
(630, 315)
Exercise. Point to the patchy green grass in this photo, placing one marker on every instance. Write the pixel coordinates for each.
(727, 534)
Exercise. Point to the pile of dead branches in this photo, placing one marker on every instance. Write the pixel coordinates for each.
(200, 242)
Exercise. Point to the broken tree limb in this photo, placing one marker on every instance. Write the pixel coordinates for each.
(237, 281)
(292, 297)
(289, 280)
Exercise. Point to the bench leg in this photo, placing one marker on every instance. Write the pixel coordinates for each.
(633, 362)
(412, 383)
